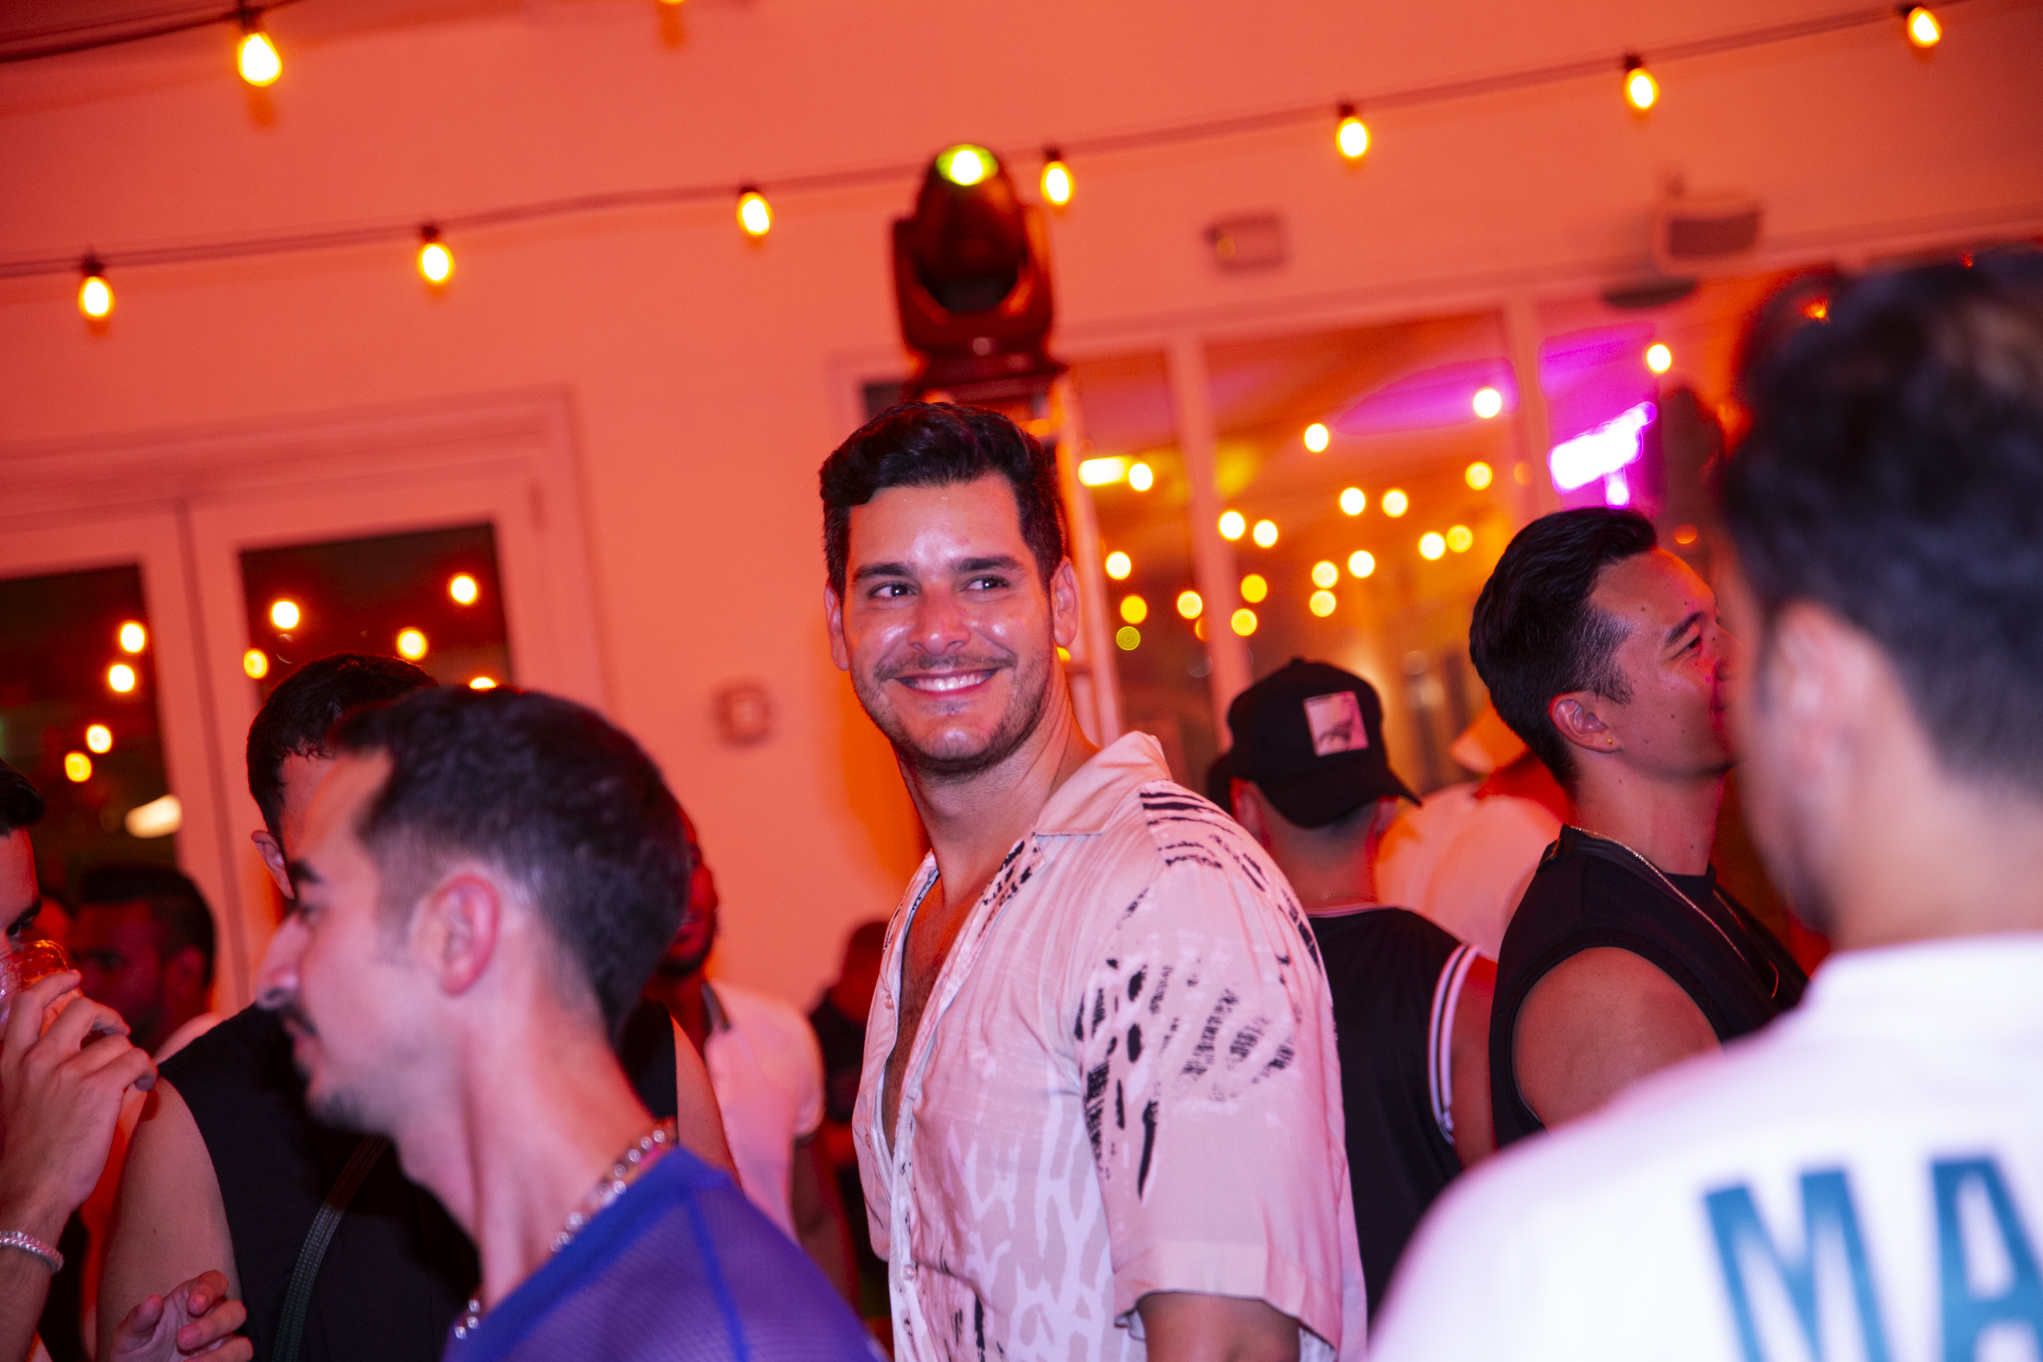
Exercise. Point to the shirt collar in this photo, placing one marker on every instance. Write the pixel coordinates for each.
(1082, 805)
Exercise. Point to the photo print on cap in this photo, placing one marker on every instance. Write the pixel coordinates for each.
(1336, 723)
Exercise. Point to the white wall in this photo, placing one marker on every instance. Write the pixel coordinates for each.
(710, 375)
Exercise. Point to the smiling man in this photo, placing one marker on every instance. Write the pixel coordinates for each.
(1100, 1116)
(1603, 652)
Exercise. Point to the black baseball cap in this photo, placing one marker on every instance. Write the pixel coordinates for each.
(1310, 737)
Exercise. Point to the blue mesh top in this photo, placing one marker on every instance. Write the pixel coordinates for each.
(680, 1268)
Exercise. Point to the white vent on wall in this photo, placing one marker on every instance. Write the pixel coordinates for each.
(1703, 234)
(1252, 241)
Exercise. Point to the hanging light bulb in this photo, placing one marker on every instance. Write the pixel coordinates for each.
(1056, 178)
(95, 297)
(753, 214)
(436, 262)
(1640, 89)
(1352, 136)
(257, 59)
(1923, 29)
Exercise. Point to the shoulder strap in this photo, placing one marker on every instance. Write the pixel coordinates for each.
(298, 1300)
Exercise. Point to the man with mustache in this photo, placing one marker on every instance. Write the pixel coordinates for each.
(1100, 1116)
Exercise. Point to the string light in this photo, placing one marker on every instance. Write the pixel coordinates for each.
(133, 637)
(436, 262)
(463, 589)
(1396, 503)
(1460, 538)
(99, 738)
(121, 677)
(1254, 588)
(1056, 178)
(285, 614)
(1190, 604)
(1322, 603)
(1478, 475)
(1641, 91)
(257, 59)
(753, 213)
(411, 644)
(1119, 565)
(483, 683)
(1266, 533)
(1487, 402)
(1316, 438)
(1100, 472)
(965, 165)
(1243, 621)
(1352, 136)
(95, 295)
(1325, 574)
(1431, 546)
(1232, 525)
(1127, 638)
(1134, 609)
(77, 767)
(1352, 501)
(1141, 477)
(1659, 358)
(256, 663)
(1361, 563)
(1924, 32)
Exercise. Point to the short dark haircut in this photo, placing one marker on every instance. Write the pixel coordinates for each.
(1893, 474)
(935, 444)
(174, 902)
(550, 793)
(1535, 635)
(299, 714)
(20, 805)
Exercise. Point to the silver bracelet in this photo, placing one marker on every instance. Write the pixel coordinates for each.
(34, 1248)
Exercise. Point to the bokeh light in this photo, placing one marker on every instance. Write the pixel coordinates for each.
(411, 643)
(1190, 604)
(1396, 503)
(77, 767)
(1141, 477)
(1460, 538)
(1322, 603)
(99, 738)
(1352, 501)
(1266, 533)
(1659, 358)
(121, 677)
(483, 683)
(1134, 609)
(1119, 565)
(1317, 438)
(1232, 524)
(463, 589)
(133, 637)
(1254, 588)
(1325, 574)
(1243, 622)
(1361, 563)
(1488, 402)
(256, 663)
(1431, 545)
(1479, 475)
(285, 614)
(1128, 638)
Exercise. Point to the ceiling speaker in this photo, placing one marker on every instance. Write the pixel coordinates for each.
(1705, 234)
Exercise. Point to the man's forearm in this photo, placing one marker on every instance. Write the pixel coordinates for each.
(24, 1286)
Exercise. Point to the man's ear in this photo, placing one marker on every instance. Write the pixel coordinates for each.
(456, 930)
(273, 860)
(1575, 715)
(833, 615)
(1064, 603)
(1248, 810)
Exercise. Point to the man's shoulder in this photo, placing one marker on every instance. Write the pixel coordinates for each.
(249, 1049)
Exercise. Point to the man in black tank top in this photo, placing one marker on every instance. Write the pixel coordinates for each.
(229, 1170)
(1603, 652)
(1308, 778)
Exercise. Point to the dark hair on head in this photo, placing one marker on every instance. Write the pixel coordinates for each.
(20, 805)
(299, 714)
(551, 794)
(934, 444)
(174, 902)
(1535, 635)
(1893, 474)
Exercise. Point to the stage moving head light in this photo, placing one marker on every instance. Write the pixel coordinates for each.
(972, 281)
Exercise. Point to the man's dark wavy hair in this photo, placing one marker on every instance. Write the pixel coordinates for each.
(934, 444)
(1535, 635)
(1892, 472)
(550, 793)
(303, 710)
(20, 804)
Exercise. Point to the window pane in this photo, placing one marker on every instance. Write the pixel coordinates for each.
(1139, 497)
(78, 718)
(432, 597)
(1367, 527)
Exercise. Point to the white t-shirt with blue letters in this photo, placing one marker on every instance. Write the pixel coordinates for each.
(1861, 1180)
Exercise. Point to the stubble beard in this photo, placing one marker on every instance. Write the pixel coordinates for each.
(1025, 711)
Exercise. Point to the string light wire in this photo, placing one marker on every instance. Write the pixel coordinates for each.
(894, 172)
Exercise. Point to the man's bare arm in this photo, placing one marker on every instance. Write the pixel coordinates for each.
(819, 1216)
(698, 1120)
(1179, 1326)
(169, 1224)
(1597, 1023)
(1475, 1133)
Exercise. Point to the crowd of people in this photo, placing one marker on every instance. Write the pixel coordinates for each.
(1134, 1071)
